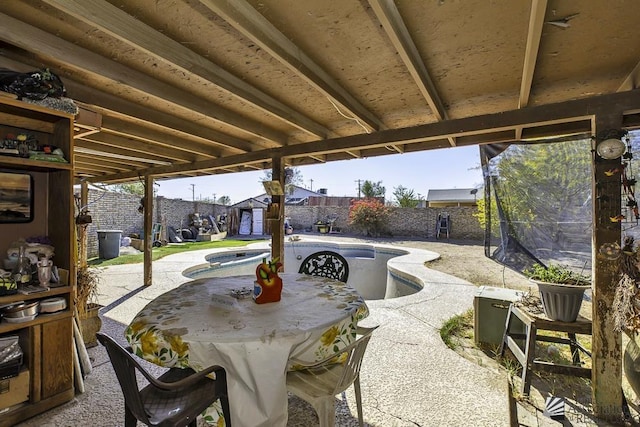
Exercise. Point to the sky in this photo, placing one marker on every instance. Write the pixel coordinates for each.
(423, 171)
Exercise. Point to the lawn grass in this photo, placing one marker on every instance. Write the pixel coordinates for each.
(163, 251)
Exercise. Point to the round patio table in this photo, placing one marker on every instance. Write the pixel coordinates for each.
(212, 321)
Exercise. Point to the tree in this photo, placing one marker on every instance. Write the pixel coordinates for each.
(405, 198)
(369, 216)
(372, 190)
(292, 176)
(136, 188)
(224, 200)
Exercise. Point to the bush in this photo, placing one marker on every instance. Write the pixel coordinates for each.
(369, 216)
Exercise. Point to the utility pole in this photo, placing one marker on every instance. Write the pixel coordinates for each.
(311, 180)
(214, 198)
(358, 181)
(193, 192)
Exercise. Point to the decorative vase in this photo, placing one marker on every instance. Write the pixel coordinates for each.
(561, 302)
(90, 324)
(44, 271)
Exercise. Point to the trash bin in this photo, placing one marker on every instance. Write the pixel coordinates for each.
(109, 243)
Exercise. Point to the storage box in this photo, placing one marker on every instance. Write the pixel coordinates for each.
(490, 308)
(14, 390)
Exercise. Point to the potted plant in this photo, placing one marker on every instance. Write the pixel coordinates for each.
(89, 322)
(561, 290)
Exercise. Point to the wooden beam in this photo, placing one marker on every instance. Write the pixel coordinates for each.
(148, 229)
(248, 21)
(277, 225)
(536, 22)
(606, 349)
(632, 81)
(429, 136)
(140, 148)
(125, 156)
(69, 55)
(124, 27)
(393, 24)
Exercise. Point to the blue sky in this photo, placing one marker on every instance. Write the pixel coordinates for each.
(434, 169)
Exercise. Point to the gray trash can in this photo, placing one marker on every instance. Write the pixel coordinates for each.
(109, 243)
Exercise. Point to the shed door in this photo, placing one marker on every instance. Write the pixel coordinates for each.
(257, 221)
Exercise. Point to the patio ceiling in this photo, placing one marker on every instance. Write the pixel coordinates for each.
(186, 88)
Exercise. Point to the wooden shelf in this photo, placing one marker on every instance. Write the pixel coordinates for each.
(47, 340)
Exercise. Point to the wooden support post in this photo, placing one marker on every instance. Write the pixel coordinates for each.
(82, 229)
(606, 343)
(277, 227)
(148, 228)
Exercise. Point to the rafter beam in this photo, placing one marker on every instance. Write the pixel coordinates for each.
(124, 27)
(68, 55)
(536, 22)
(393, 24)
(632, 81)
(253, 25)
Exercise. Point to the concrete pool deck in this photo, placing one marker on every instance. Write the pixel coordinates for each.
(409, 377)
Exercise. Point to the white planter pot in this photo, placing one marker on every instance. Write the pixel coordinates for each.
(561, 302)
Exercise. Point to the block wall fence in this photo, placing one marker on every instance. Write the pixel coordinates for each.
(118, 211)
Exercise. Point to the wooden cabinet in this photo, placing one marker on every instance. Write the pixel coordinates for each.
(47, 340)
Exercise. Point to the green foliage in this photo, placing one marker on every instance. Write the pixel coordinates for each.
(136, 188)
(540, 185)
(405, 198)
(371, 190)
(481, 215)
(369, 216)
(224, 200)
(555, 273)
(460, 325)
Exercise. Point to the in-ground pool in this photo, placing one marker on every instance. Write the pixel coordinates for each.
(376, 271)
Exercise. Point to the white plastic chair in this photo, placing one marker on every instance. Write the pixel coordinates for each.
(321, 381)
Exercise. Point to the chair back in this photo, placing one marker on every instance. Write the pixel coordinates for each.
(351, 367)
(125, 367)
(326, 264)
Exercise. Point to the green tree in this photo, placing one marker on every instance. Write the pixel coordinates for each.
(224, 200)
(541, 186)
(405, 198)
(371, 189)
(136, 188)
(369, 216)
(292, 176)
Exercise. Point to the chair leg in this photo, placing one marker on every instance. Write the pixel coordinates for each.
(224, 401)
(356, 386)
(129, 419)
(326, 409)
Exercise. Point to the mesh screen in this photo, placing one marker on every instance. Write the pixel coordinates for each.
(538, 202)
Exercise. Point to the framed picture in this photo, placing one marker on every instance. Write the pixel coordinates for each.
(16, 197)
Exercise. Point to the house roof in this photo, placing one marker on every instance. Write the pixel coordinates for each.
(175, 89)
(453, 195)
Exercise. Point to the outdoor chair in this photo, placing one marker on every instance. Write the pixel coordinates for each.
(326, 264)
(321, 381)
(172, 400)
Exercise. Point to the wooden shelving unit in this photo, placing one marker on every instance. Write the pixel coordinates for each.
(47, 340)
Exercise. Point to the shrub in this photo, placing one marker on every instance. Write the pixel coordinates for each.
(369, 216)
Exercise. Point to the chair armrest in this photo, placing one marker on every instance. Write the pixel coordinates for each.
(190, 380)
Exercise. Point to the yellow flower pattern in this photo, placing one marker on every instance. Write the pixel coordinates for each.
(151, 336)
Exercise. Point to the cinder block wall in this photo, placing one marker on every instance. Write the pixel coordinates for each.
(415, 222)
(118, 211)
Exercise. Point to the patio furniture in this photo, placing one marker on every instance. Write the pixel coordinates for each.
(215, 321)
(326, 264)
(319, 382)
(172, 400)
(523, 345)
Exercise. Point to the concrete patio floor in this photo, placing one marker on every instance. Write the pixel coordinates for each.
(409, 377)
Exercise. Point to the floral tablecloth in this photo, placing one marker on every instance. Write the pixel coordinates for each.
(207, 321)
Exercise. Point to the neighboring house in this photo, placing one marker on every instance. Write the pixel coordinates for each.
(295, 195)
(453, 197)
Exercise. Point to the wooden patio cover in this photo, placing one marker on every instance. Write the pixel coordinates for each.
(171, 88)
